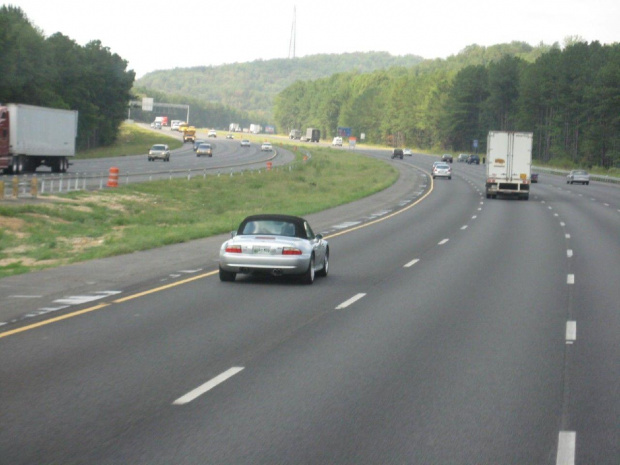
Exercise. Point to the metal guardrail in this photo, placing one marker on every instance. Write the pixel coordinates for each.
(593, 177)
(30, 186)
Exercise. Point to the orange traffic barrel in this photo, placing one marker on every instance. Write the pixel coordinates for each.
(113, 177)
(269, 166)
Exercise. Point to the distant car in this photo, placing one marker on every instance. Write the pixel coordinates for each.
(442, 170)
(578, 176)
(408, 152)
(473, 159)
(534, 177)
(212, 133)
(156, 125)
(229, 136)
(266, 147)
(446, 157)
(245, 143)
(398, 153)
(204, 149)
(337, 142)
(159, 152)
(462, 157)
(274, 245)
(197, 142)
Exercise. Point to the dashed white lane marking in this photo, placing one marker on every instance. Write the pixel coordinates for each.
(474, 217)
(566, 448)
(442, 242)
(556, 214)
(200, 390)
(569, 253)
(351, 301)
(567, 236)
(411, 263)
(571, 332)
(606, 204)
(562, 223)
(379, 214)
(463, 227)
(346, 225)
(570, 279)
(82, 299)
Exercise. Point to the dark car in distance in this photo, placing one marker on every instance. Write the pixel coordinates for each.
(473, 159)
(446, 157)
(398, 153)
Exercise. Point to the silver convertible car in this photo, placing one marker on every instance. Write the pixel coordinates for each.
(276, 245)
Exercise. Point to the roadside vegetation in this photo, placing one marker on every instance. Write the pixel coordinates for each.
(58, 230)
(131, 140)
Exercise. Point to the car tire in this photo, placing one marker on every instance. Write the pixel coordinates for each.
(227, 276)
(449, 177)
(323, 271)
(308, 276)
(588, 183)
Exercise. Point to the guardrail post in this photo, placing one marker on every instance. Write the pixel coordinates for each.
(1, 190)
(15, 187)
(34, 186)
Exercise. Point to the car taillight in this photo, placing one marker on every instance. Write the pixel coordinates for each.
(233, 249)
(290, 251)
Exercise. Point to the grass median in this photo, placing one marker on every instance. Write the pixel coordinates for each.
(58, 230)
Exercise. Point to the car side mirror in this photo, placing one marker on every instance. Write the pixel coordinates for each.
(319, 236)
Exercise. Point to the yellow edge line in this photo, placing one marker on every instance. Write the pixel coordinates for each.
(53, 320)
(391, 215)
(194, 278)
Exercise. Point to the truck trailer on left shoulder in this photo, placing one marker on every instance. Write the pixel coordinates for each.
(33, 136)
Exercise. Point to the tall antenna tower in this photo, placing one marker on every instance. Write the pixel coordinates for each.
(291, 44)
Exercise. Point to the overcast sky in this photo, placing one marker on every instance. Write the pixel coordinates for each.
(166, 34)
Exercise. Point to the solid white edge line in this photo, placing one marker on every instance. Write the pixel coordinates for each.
(352, 300)
(571, 330)
(200, 390)
(411, 263)
(566, 448)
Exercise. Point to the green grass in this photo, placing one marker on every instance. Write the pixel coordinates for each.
(132, 140)
(57, 230)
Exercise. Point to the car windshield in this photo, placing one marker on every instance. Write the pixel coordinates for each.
(158, 147)
(273, 227)
(204, 146)
(580, 172)
(442, 166)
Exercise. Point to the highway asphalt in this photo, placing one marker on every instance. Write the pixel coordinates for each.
(451, 329)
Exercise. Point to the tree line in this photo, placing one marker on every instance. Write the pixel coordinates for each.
(252, 86)
(568, 97)
(57, 72)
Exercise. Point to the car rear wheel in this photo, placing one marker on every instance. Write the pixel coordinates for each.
(227, 276)
(323, 271)
(308, 276)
